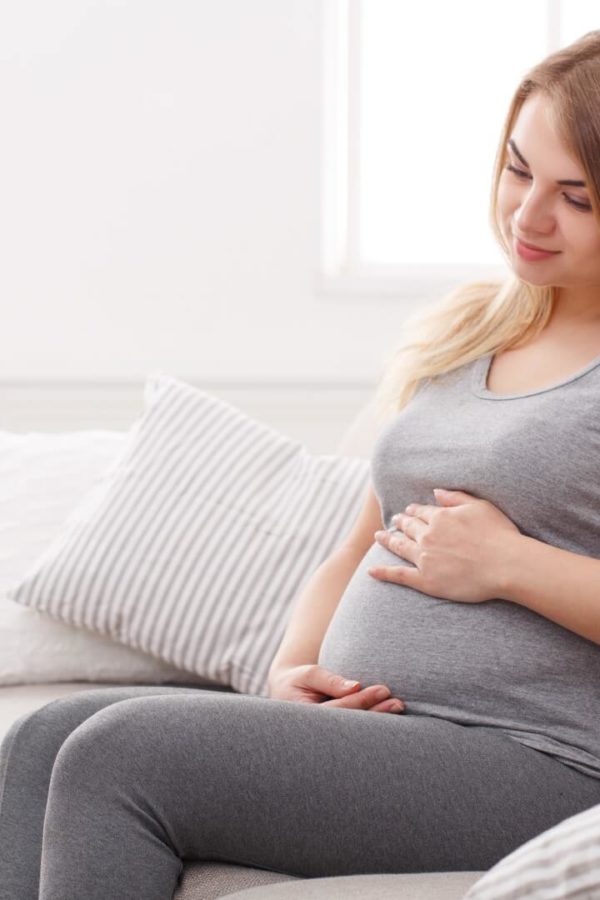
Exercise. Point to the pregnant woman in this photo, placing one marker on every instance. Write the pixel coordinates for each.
(464, 604)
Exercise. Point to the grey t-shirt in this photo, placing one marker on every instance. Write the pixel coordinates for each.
(536, 456)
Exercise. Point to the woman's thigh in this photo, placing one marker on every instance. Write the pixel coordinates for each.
(305, 789)
(27, 755)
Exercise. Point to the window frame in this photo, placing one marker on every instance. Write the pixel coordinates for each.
(340, 274)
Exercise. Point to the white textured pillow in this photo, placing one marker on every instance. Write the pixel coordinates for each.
(43, 476)
(559, 864)
(197, 540)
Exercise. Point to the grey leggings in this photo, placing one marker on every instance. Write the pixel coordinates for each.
(103, 793)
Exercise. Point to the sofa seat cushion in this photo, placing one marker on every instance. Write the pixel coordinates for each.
(211, 880)
(413, 886)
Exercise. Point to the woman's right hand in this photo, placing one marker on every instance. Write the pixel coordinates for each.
(313, 684)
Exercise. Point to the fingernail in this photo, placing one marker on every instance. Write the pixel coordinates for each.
(349, 684)
(382, 693)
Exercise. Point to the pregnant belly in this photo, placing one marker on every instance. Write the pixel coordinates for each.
(442, 657)
(386, 633)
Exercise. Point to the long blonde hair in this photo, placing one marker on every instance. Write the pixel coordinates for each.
(489, 316)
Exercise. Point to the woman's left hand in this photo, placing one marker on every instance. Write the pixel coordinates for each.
(458, 548)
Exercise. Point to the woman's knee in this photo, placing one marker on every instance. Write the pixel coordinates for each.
(63, 712)
(106, 749)
(46, 728)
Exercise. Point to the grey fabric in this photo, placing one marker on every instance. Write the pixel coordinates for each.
(534, 456)
(433, 886)
(200, 880)
(27, 754)
(134, 782)
(18, 699)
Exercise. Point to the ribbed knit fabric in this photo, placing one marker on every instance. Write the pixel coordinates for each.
(535, 456)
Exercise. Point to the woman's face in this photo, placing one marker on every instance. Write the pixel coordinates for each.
(533, 207)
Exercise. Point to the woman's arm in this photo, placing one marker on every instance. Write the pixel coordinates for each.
(316, 604)
(315, 607)
(557, 584)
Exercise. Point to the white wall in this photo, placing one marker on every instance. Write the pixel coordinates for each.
(160, 181)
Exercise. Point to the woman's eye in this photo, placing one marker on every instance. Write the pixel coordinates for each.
(517, 171)
(578, 204)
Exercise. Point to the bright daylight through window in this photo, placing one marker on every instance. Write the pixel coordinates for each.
(422, 110)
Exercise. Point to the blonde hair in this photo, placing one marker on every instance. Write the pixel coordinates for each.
(489, 316)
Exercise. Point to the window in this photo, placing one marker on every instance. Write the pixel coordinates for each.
(414, 100)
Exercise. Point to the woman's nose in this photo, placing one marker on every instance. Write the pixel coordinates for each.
(534, 216)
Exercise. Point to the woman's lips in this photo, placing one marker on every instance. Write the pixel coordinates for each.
(530, 254)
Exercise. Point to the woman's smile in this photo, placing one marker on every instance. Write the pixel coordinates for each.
(530, 254)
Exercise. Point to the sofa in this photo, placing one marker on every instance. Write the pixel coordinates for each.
(41, 660)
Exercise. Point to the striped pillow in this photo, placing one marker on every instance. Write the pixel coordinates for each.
(559, 864)
(196, 541)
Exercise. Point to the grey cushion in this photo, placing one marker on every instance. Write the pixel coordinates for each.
(417, 886)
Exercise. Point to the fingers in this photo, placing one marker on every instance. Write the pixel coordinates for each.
(315, 684)
(376, 698)
(390, 706)
(327, 682)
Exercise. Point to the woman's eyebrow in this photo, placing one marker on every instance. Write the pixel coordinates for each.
(568, 181)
